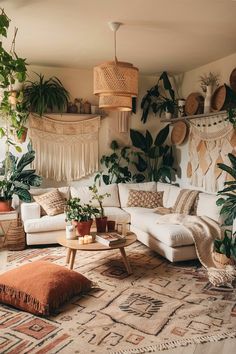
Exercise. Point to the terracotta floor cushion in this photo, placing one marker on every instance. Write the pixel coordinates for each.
(41, 287)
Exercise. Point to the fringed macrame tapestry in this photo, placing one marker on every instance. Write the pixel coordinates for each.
(210, 141)
(65, 150)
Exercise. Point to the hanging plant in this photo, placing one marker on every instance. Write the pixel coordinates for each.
(156, 102)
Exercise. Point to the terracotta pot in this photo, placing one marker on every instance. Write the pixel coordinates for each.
(101, 224)
(221, 261)
(5, 205)
(23, 137)
(84, 227)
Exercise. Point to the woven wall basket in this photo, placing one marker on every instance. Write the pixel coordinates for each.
(115, 78)
(15, 236)
(116, 103)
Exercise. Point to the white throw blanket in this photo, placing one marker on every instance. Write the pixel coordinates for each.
(203, 231)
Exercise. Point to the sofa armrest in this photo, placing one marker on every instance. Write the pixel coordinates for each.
(30, 211)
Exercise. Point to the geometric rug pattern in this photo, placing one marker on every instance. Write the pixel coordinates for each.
(161, 305)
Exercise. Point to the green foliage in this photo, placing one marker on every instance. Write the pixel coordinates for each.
(232, 116)
(78, 212)
(154, 161)
(227, 245)
(99, 198)
(116, 164)
(155, 101)
(228, 194)
(44, 94)
(18, 179)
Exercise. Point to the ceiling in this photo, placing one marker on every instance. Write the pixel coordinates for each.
(157, 35)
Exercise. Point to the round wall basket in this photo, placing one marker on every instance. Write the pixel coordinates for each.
(179, 133)
(194, 104)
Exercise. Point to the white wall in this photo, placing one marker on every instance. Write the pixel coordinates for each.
(190, 84)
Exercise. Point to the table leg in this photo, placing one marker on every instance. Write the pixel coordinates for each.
(125, 260)
(72, 259)
(68, 255)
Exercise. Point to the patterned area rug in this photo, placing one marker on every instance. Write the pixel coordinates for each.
(160, 306)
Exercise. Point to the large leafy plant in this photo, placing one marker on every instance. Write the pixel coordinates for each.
(155, 101)
(228, 194)
(18, 180)
(154, 160)
(227, 245)
(42, 95)
(12, 69)
(77, 212)
(116, 165)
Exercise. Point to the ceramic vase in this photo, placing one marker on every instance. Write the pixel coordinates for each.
(207, 100)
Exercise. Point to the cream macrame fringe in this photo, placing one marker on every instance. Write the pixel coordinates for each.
(65, 151)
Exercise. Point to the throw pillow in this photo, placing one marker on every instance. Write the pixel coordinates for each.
(185, 201)
(145, 199)
(52, 202)
(41, 287)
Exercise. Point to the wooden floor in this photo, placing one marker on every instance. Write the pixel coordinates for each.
(222, 347)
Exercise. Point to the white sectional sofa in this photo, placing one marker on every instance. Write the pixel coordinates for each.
(174, 242)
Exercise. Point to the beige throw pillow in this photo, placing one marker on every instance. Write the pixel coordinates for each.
(52, 202)
(144, 199)
(185, 201)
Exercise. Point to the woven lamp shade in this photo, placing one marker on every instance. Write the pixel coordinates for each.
(115, 103)
(115, 78)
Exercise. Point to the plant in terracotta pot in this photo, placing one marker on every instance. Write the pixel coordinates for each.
(80, 215)
(225, 249)
(101, 221)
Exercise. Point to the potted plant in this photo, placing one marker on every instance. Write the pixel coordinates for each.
(17, 180)
(101, 221)
(80, 215)
(227, 201)
(43, 95)
(156, 101)
(225, 250)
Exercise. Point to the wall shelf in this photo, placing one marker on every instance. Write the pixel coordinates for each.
(196, 116)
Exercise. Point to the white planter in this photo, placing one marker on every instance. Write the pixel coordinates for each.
(207, 101)
(70, 232)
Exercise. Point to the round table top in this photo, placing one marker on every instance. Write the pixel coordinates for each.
(96, 246)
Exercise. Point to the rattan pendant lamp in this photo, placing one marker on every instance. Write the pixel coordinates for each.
(115, 82)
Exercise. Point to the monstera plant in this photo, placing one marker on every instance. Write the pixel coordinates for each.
(154, 159)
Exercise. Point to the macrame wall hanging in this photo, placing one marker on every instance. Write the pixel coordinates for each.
(210, 141)
(65, 150)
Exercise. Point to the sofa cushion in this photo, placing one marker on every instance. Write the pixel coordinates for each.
(172, 196)
(85, 195)
(41, 287)
(64, 191)
(207, 206)
(125, 187)
(116, 214)
(164, 187)
(171, 235)
(45, 223)
(145, 199)
(185, 201)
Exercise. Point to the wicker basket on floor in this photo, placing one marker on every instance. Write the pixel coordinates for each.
(15, 237)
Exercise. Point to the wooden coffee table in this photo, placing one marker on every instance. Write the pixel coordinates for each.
(73, 246)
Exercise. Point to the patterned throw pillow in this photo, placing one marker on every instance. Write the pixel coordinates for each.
(144, 199)
(52, 202)
(185, 201)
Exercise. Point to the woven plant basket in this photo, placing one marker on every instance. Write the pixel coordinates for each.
(16, 236)
(221, 261)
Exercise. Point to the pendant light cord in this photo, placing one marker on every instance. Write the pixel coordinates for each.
(115, 46)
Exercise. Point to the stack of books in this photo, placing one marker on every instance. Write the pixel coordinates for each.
(110, 239)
